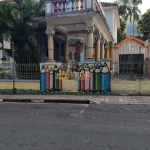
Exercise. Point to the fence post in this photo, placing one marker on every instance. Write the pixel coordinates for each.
(13, 68)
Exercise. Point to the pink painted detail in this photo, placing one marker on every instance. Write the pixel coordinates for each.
(87, 83)
(59, 5)
(96, 7)
(81, 7)
(55, 7)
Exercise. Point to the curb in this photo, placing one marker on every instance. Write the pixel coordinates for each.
(46, 101)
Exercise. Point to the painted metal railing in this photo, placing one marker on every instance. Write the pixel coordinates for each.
(62, 6)
(131, 70)
(21, 71)
(68, 5)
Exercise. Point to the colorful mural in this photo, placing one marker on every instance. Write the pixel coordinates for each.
(88, 77)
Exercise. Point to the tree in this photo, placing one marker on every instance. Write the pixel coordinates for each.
(123, 7)
(121, 35)
(144, 24)
(18, 18)
(129, 9)
(134, 12)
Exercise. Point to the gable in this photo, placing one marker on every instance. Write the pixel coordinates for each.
(129, 40)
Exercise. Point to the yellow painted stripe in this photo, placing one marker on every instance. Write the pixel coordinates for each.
(82, 111)
(87, 105)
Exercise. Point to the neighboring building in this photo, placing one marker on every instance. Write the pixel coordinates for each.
(112, 17)
(129, 56)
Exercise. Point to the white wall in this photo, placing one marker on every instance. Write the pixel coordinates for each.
(110, 17)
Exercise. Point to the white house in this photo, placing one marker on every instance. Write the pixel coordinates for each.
(112, 17)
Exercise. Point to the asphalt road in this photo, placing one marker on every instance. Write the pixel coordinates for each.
(74, 127)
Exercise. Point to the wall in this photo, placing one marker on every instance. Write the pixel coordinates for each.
(109, 17)
(34, 85)
(115, 28)
(131, 87)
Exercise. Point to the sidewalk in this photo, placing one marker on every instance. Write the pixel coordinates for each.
(91, 99)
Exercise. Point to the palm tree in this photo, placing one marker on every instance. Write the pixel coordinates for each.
(123, 7)
(129, 8)
(134, 11)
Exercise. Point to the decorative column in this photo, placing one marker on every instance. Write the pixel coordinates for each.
(66, 51)
(60, 4)
(107, 50)
(98, 48)
(50, 45)
(55, 7)
(68, 5)
(48, 7)
(82, 5)
(64, 7)
(90, 41)
(72, 8)
(77, 4)
(102, 48)
(89, 4)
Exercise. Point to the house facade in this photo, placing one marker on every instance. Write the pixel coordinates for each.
(78, 41)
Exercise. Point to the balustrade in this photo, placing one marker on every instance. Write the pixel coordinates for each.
(61, 6)
(77, 4)
(67, 5)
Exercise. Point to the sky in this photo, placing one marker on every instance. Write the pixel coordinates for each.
(144, 7)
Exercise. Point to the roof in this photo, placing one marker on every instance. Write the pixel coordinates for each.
(108, 4)
(131, 38)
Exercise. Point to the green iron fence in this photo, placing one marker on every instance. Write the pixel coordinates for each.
(131, 70)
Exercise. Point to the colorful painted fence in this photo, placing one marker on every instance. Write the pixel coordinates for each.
(89, 77)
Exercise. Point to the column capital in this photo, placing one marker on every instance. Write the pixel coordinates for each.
(90, 29)
(50, 32)
(97, 37)
(106, 45)
(102, 40)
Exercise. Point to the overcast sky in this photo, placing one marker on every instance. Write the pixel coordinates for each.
(144, 7)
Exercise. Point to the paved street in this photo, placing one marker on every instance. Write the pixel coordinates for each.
(74, 127)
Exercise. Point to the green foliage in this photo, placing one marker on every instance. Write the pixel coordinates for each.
(144, 24)
(129, 8)
(110, 44)
(18, 18)
(122, 24)
(121, 35)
